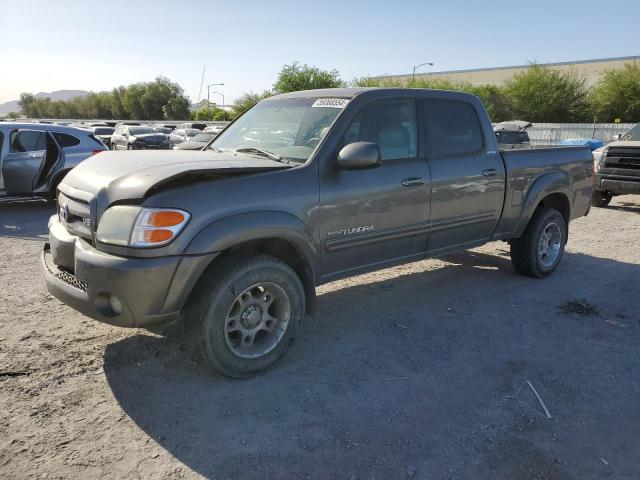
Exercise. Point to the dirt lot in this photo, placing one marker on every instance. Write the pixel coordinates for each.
(406, 373)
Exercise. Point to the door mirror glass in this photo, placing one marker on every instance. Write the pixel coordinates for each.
(359, 155)
(28, 141)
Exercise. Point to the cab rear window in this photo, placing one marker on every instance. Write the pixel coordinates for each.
(453, 128)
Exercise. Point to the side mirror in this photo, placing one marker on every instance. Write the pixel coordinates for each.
(616, 137)
(359, 155)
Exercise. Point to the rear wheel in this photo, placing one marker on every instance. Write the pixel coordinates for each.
(245, 314)
(537, 253)
(600, 199)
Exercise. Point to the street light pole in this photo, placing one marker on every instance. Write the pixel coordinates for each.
(208, 87)
(415, 67)
(221, 94)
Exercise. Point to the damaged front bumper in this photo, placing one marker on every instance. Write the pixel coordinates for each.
(122, 291)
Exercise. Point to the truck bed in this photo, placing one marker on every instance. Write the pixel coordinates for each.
(571, 165)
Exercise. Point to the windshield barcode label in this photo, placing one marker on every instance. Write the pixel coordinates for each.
(331, 102)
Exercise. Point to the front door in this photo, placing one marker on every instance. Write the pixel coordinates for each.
(468, 181)
(28, 161)
(378, 216)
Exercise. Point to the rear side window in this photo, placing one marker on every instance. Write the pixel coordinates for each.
(65, 140)
(453, 128)
(389, 123)
(96, 140)
(27, 141)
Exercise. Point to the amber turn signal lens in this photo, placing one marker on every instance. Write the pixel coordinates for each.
(157, 236)
(165, 219)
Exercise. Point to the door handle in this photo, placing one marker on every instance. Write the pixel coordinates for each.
(412, 182)
(489, 172)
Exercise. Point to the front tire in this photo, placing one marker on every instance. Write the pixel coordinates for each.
(245, 313)
(537, 253)
(600, 199)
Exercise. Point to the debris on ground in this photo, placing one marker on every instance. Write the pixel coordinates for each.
(516, 396)
(14, 374)
(579, 307)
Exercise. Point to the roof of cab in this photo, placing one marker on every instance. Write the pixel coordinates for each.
(379, 91)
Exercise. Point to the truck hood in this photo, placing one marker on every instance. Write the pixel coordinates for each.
(625, 143)
(111, 176)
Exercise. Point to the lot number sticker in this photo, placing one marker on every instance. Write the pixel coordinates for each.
(331, 102)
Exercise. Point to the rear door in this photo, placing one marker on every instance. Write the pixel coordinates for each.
(378, 216)
(25, 161)
(468, 179)
(117, 138)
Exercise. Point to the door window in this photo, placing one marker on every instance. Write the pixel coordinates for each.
(453, 128)
(27, 141)
(389, 123)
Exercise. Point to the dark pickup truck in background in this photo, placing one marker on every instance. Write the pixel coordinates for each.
(303, 189)
(617, 168)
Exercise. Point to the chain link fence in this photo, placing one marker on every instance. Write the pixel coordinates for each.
(554, 133)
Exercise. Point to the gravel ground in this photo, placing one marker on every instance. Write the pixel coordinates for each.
(412, 372)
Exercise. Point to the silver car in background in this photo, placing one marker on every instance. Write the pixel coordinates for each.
(35, 157)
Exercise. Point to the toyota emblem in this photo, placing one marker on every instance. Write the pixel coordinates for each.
(64, 212)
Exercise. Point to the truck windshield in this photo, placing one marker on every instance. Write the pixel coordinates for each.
(289, 128)
(632, 135)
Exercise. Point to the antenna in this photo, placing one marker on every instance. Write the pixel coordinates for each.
(201, 82)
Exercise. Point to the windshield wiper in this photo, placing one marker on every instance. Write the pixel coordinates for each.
(264, 153)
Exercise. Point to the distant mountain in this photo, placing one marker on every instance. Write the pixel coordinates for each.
(13, 106)
(62, 94)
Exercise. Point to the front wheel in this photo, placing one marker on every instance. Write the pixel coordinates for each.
(600, 199)
(245, 314)
(537, 253)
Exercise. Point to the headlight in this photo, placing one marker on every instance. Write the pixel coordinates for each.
(131, 226)
(133, 139)
(599, 156)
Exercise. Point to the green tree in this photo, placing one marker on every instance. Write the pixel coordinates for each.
(493, 97)
(544, 94)
(247, 100)
(117, 106)
(617, 95)
(376, 82)
(295, 77)
(27, 102)
(495, 101)
(177, 108)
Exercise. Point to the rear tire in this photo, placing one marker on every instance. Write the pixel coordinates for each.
(537, 253)
(245, 313)
(600, 199)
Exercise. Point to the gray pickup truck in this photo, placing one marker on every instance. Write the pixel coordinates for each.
(617, 168)
(305, 188)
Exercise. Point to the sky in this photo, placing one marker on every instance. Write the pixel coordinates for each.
(48, 45)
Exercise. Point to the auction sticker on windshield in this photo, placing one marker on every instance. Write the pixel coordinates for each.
(331, 102)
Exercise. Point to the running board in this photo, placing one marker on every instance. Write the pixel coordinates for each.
(4, 200)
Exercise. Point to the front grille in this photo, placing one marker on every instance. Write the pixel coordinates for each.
(75, 215)
(624, 158)
(72, 280)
